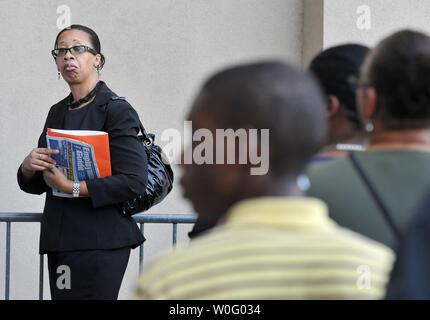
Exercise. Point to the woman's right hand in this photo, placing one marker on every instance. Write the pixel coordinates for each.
(39, 159)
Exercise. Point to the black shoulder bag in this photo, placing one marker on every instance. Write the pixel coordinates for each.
(160, 176)
(378, 200)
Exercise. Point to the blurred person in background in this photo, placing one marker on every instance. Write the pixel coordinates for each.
(337, 70)
(271, 241)
(377, 191)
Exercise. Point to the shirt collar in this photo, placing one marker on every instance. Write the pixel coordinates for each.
(103, 95)
(283, 212)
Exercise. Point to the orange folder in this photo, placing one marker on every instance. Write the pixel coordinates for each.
(98, 139)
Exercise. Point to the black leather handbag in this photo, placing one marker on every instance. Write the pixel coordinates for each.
(160, 178)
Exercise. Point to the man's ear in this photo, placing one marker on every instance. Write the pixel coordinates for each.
(333, 106)
(367, 101)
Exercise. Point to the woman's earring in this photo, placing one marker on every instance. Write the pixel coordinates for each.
(369, 126)
(58, 75)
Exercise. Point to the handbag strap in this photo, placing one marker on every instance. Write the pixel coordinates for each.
(379, 202)
(146, 137)
(149, 138)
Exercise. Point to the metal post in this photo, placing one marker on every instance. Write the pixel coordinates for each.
(7, 260)
(41, 277)
(142, 225)
(175, 229)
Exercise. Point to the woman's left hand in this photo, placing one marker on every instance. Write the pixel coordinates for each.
(56, 179)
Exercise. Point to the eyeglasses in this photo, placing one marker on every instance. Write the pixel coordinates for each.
(76, 50)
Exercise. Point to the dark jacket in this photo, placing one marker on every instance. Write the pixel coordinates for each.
(94, 222)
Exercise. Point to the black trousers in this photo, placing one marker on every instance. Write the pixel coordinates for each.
(88, 274)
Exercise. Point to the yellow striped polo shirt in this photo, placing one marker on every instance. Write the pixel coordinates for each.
(272, 248)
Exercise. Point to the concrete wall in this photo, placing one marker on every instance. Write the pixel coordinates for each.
(331, 22)
(157, 54)
(369, 21)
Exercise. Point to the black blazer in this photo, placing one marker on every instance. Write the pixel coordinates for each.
(94, 222)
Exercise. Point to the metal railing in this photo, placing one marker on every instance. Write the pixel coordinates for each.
(141, 219)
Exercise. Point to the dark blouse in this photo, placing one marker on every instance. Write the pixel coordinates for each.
(74, 118)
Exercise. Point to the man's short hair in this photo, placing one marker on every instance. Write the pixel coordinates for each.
(275, 96)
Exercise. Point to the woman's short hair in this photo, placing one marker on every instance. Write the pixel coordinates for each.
(94, 39)
(399, 70)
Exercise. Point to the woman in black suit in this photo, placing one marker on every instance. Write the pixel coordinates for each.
(87, 240)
